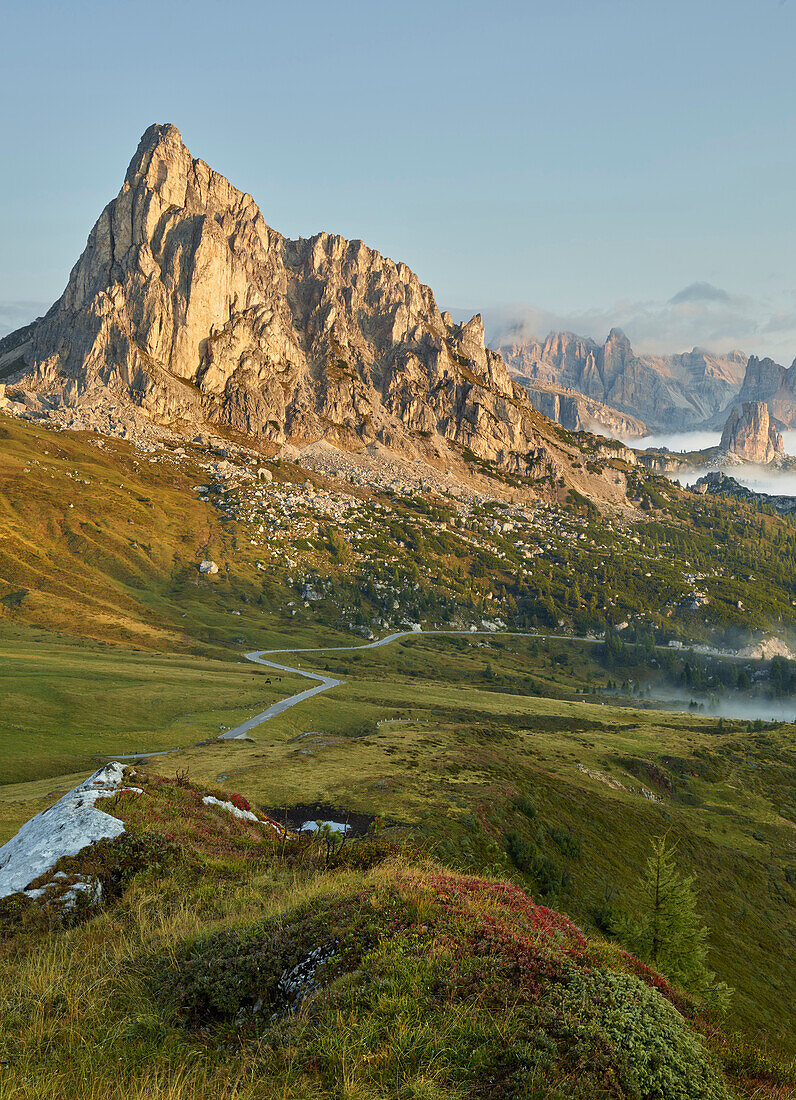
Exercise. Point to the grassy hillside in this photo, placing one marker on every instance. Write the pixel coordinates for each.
(505, 757)
(419, 736)
(102, 540)
(230, 960)
(452, 755)
(68, 702)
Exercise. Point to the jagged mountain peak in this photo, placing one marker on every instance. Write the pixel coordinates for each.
(158, 136)
(188, 308)
(163, 165)
(666, 392)
(617, 336)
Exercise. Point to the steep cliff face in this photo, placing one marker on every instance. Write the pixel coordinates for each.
(577, 413)
(762, 379)
(188, 306)
(750, 435)
(772, 383)
(666, 392)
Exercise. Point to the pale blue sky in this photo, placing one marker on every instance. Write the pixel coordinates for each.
(577, 162)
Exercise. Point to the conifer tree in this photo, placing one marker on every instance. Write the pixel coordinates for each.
(667, 932)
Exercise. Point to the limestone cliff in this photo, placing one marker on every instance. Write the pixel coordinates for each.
(188, 306)
(667, 392)
(772, 383)
(577, 413)
(750, 435)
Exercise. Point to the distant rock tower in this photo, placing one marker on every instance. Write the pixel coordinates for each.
(750, 435)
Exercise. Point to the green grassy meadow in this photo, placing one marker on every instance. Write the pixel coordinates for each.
(428, 735)
(473, 749)
(69, 704)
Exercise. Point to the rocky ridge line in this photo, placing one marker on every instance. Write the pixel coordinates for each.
(666, 392)
(187, 310)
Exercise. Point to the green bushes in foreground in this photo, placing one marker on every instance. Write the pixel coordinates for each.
(234, 961)
(414, 981)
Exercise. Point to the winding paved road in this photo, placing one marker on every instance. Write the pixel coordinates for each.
(326, 683)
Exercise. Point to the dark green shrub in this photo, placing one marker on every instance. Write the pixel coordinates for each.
(548, 878)
(567, 842)
(614, 1020)
(526, 805)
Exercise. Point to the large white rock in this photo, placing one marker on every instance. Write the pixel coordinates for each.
(230, 807)
(65, 829)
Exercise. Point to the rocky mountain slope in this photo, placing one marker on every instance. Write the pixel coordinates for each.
(576, 413)
(772, 383)
(185, 307)
(665, 391)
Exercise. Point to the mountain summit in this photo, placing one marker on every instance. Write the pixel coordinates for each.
(188, 306)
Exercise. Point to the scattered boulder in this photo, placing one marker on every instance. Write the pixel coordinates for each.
(64, 829)
(264, 475)
(230, 807)
(7, 404)
(208, 568)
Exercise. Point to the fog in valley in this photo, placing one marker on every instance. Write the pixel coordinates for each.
(676, 442)
(760, 479)
(731, 705)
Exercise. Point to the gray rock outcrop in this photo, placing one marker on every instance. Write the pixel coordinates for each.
(749, 434)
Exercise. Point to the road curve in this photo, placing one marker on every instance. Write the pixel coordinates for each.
(326, 683)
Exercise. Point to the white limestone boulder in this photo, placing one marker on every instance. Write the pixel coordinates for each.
(72, 824)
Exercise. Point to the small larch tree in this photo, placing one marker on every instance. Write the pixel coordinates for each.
(666, 931)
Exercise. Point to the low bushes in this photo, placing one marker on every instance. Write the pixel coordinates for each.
(419, 974)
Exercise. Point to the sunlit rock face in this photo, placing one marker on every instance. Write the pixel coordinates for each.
(750, 435)
(768, 381)
(188, 306)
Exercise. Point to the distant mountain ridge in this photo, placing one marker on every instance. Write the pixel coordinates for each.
(666, 392)
(578, 413)
(774, 384)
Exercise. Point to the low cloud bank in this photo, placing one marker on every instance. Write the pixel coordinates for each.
(677, 442)
(760, 479)
(698, 315)
(731, 705)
